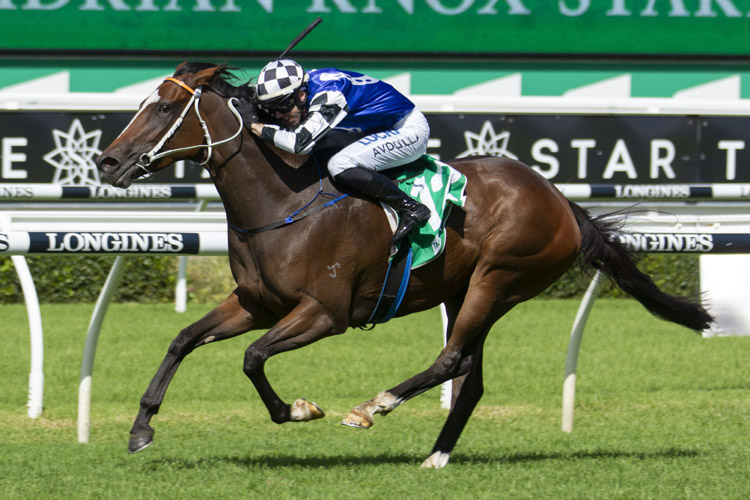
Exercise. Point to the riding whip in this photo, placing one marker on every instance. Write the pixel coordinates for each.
(302, 35)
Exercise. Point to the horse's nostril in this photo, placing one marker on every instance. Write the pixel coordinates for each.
(108, 163)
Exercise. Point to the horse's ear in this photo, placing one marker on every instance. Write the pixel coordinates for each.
(205, 76)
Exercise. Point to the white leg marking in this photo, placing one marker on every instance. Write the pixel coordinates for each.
(385, 402)
(304, 411)
(361, 416)
(437, 460)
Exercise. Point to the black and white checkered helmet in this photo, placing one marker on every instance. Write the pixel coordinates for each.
(279, 79)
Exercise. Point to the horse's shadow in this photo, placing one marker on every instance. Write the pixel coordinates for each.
(406, 459)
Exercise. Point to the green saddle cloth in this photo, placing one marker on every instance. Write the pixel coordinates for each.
(439, 186)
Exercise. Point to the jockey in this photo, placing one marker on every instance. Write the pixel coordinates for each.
(381, 129)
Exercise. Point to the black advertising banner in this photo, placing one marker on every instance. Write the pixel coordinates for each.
(598, 149)
(60, 147)
(729, 135)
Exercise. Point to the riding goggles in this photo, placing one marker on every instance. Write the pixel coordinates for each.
(282, 105)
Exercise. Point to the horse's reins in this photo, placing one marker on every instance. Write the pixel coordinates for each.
(195, 96)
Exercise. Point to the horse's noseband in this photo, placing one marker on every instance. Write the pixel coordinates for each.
(195, 96)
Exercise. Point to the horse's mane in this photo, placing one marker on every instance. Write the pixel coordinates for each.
(222, 79)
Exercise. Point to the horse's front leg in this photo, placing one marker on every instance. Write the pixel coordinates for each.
(305, 324)
(227, 320)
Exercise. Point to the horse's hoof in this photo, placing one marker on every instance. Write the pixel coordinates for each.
(437, 460)
(303, 411)
(140, 441)
(359, 419)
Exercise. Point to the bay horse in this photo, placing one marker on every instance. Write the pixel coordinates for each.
(515, 236)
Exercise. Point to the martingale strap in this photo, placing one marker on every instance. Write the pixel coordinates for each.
(298, 215)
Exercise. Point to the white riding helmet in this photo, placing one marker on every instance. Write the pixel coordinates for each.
(279, 79)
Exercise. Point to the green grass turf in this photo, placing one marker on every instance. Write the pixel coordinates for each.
(660, 412)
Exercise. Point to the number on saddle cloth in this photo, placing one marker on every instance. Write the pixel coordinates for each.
(439, 186)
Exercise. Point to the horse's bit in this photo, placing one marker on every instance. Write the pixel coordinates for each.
(195, 96)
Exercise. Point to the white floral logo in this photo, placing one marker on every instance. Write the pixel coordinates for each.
(73, 156)
(487, 142)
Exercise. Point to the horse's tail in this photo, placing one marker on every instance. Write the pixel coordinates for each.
(601, 250)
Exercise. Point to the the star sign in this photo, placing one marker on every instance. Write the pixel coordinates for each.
(73, 156)
(487, 142)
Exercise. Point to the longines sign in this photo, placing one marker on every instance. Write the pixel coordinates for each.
(60, 148)
(95, 242)
(688, 27)
(189, 243)
(87, 242)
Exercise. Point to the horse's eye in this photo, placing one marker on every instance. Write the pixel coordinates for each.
(165, 108)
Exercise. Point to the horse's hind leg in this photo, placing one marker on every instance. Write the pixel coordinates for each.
(482, 306)
(466, 392)
(449, 364)
(469, 395)
(227, 320)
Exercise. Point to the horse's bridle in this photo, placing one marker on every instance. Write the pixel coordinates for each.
(195, 96)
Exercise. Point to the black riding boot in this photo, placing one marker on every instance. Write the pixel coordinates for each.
(379, 187)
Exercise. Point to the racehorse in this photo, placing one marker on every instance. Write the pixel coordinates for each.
(515, 236)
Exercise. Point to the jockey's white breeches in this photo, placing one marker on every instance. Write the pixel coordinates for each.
(406, 142)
